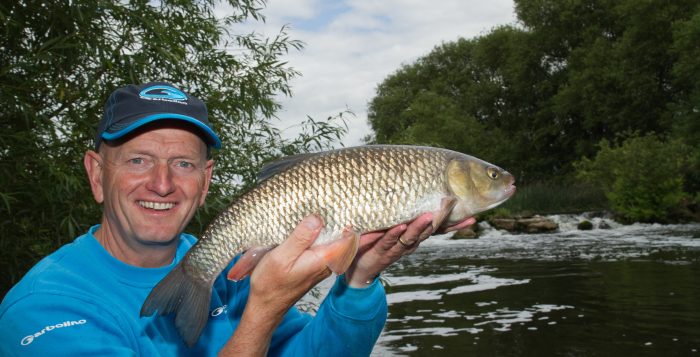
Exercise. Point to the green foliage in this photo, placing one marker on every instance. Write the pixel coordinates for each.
(642, 177)
(686, 110)
(555, 197)
(61, 59)
(453, 98)
(536, 97)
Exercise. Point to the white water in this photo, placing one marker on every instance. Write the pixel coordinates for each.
(619, 242)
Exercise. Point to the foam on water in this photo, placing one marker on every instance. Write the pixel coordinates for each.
(475, 280)
(619, 242)
(500, 319)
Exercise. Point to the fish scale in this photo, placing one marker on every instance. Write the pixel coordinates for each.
(367, 188)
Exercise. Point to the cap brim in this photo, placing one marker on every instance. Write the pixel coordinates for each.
(215, 141)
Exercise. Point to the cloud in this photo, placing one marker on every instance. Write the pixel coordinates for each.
(351, 46)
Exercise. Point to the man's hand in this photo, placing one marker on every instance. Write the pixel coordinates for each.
(281, 278)
(290, 270)
(378, 250)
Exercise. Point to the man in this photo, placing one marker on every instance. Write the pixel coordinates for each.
(150, 171)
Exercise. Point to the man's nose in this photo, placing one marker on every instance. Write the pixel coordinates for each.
(161, 180)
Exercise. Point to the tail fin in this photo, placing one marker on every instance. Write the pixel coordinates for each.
(187, 297)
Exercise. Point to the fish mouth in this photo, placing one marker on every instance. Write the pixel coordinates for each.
(507, 193)
(510, 191)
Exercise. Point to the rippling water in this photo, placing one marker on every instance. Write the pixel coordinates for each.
(629, 290)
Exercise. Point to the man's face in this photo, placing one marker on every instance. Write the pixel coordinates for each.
(152, 184)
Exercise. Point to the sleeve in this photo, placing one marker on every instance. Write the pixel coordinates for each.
(45, 324)
(348, 323)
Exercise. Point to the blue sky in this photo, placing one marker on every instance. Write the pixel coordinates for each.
(351, 46)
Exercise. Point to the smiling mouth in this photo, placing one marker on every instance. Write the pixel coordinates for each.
(158, 206)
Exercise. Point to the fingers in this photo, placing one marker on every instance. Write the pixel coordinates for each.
(380, 249)
(418, 230)
(288, 271)
(463, 224)
(301, 238)
(368, 240)
(421, 237)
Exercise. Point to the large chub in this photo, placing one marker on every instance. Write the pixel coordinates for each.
(353, 190)
(187, 297)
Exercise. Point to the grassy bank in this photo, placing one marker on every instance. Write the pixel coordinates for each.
(551, 198)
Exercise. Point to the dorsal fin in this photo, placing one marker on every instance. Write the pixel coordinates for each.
(274, 167)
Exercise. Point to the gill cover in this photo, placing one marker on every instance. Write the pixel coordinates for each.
(458, 178)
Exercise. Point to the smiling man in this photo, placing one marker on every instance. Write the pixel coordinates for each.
(150, 171)
(150, 188)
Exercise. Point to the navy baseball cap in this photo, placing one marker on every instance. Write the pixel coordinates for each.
(133, 106)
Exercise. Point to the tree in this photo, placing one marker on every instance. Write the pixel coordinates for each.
(685, 110)
(549, 89)
(59, 62)
(477, 96)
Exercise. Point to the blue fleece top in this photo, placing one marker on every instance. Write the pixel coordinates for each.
(80, 300)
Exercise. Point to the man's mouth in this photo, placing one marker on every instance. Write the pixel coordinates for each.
(158, 206)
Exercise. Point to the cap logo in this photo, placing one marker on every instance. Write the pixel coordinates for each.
(163, 93)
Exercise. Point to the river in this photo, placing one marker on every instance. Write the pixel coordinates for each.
(629, 290)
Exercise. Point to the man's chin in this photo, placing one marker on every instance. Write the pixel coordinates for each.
(160, 239)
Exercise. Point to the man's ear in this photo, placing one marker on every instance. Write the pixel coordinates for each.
(93, 166)
(208, 170)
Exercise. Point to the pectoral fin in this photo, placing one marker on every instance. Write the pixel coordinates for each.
(446, 206)
(245, 265)
(339, 254)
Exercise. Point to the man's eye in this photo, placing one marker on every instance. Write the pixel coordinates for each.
(136, 161)
(185, 164)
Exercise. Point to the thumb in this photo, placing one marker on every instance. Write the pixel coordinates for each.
(301, 238)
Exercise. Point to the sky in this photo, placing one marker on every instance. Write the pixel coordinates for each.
(351, 46)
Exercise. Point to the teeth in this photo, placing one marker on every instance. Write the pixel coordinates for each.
(159, 206)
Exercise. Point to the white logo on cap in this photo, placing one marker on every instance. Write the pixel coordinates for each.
(164, 93)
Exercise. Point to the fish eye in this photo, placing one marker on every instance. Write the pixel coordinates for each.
(492, 173)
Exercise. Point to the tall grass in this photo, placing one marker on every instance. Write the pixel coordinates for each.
(551, 198)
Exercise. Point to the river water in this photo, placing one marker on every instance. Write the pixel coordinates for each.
(626, 291)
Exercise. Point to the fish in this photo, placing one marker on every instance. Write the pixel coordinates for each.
(361, 189)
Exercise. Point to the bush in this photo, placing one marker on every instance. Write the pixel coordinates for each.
(642, 178)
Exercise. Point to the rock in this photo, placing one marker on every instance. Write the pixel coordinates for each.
(466, 233)
(604, 225)
(538, 225)
(585, 225)
(528, 225)
(508, 224)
